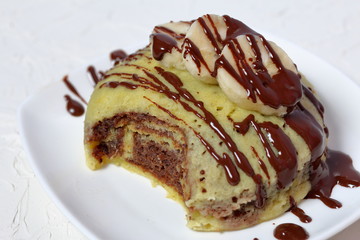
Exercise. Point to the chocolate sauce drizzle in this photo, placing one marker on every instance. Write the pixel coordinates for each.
(298, 211)
(181, 96)
(337, 169)
(321, 178)
(118, 55)
(282, 89)
(317, 104)
(165, 40)
(162, 44)
(191, 49)
(256, 80)
(72, 106)
(93, 74)
(224, 160)
(213, 39)
(136, 56)
(290, 231)
(165, 30)
(271, 93)
(285, 161)
(261, 163)
(71, 87)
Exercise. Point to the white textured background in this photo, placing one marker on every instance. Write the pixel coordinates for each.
(41, 41)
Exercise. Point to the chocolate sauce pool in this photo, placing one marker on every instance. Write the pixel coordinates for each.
(290, 231)
(73, 107)
(337, 169)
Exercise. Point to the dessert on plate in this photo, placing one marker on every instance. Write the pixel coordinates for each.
(216, 114)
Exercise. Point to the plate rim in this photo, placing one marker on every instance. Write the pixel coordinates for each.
(31, 160)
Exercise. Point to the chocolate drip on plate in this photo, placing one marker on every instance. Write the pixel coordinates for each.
(298, 211)
(290, 231)
(71, 87)
(337, 169)
(74, 107)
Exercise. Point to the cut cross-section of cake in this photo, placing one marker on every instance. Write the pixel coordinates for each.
(217, 115)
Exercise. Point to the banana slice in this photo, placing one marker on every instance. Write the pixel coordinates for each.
(166, 43)
(258, 75)
(203, 45)
(254, 73)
